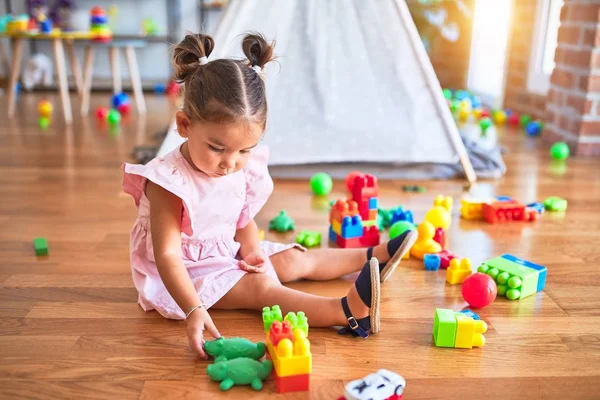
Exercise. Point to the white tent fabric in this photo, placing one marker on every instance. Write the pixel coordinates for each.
(353, 84)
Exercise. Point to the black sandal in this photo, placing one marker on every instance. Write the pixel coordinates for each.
(396, 248)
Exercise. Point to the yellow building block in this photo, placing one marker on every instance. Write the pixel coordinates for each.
(444, 201)
(471, 209)
(337, 227)
(458, 271)
(469, 333)
(261, 234)
(291, 358)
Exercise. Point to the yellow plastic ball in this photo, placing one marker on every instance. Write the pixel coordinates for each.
(499, 117)
(438, 217)
(45, 108)
(477, 113)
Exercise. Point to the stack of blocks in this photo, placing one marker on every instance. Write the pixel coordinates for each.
(354, 222)
(458, 330)
(99, 29)
(516, 278)
(289, 349)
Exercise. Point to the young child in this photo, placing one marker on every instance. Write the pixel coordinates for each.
(195, 244)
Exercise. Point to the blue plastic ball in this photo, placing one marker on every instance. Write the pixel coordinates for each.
(119, 99)
(159, 88)
(534, 128)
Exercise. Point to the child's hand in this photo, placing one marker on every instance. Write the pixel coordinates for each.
(196, 323)
(253, 262)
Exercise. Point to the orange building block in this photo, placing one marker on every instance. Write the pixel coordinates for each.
(341, 209)
(280, 331)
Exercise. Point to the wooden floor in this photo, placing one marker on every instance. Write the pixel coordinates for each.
(70, 326)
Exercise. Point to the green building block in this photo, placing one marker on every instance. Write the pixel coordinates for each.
(554, 203)
(444, 328)
(309, 238)
(298, 321)
(513, 280)
(41, 246)
(271, 314)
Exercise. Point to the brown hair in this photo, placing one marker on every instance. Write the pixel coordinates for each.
(223, 90)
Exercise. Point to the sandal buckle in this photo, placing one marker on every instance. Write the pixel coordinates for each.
(353, 324)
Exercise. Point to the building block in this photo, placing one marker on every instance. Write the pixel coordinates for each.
(337, 227)
(440, 237)
(531, 214)
(444, 201)
(459, 271)
(538, 206)
(470, 314)
(351, 227)
(271, 314)
(343, 208)
(40, 246)
(444, 327)
(425, 244)
(504, 198)
(298, 321)
(431, 262)
(445, 258)
(401, 214)
(291, 357)
(372, 222)
(370, 236)
(309, 238)
(332, 234)
(554, 203)
(294, 383)
(351, 243)
(469, 333)
(365, 186)
(502, 211)
(471, 209)
(516, 278)
(279, 331)
(373, 203)
(372, 214)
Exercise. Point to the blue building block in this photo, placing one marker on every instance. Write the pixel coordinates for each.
(470, 313)
(541, 282)
(538, 206)
(332, 235)
(352, 227)
(373, 203)
(504, 198)
(432, 262)
(401, 214)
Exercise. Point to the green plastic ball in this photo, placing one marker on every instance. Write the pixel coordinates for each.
(400, 227)
(502, 290)
(485, 123)
(44, 122)
(321, 184)
(493, 272)
(515, 282)
(525, 119)
(513, 294)
(483, 268)
(560, 151)
(503, 278)
(113, 117)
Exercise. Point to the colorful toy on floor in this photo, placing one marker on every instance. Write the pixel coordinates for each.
(515, 278)
(470, 314)
(485, 123)
(457, 330)
(440, 237)
(479, 290)
(534, 128)
(113, 117)
(458, 271)
(40, 246)
(354, 222)
(228, 349)
(444, 201)
(99, 29)
(560, 151)
(445, 258)
(321, 184)
(261, 234)
(120, 101)
(431, 262)
(524, 119)
(282, 222)
(384, 217)
(101, 113)
(425, 243)
(439, 217)
(350, 179)
(503, 211)
(554, 203)
(499, 117)
(401, 214)
(309, 238)
(400, 227)
(471, 209)
(45, 111)
(413, 189)
(513, 119)
(383, 385)
(292, 359)
(240, 371)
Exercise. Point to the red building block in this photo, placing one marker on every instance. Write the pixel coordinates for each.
(502, 211)
(370, 236)
(445, 257)
(295, 383)
(531, 214)
(440, 237)
(348, 243)
(280, 331)
(365, 186)
(341, 209)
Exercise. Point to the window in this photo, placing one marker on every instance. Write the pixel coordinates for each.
(545, 37)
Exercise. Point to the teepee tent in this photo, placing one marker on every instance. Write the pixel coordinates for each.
(353, 84)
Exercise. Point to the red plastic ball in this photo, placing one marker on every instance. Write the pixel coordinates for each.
(485, 113)
(123, 108)
(479, 290)
(350, 179)
(513, 119)
(101, 113)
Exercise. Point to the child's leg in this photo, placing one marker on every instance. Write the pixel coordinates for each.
(325, 264)
(255, 291)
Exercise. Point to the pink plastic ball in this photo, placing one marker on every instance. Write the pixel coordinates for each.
(101, 113)
(350, 179)
(479, 290)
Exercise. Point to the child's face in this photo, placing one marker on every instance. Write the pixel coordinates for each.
(218, 149)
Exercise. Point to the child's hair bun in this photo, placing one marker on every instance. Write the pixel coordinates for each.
(187, 54)
(257, 50)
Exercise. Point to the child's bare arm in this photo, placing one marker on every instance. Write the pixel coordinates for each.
(250, 252)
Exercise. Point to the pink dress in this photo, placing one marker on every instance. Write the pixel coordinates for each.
(213, 208)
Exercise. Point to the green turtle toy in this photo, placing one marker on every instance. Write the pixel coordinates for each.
(228, 349)
(240, 371)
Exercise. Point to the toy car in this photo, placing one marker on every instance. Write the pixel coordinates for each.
(382, 385)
